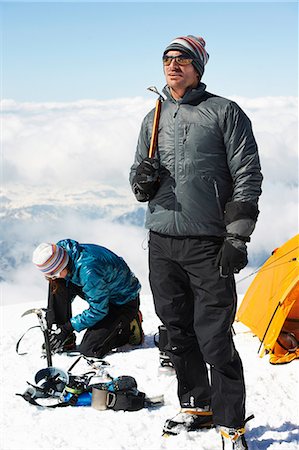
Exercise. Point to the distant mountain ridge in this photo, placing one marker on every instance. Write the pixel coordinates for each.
(26, 203)
(27, 213)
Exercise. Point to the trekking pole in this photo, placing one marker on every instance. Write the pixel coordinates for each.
(154, 138)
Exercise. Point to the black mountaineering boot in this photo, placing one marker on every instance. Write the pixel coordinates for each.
(189, 419)
(136, 332)
(233, 438)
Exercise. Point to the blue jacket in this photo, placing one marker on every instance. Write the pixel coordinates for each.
(104, 278)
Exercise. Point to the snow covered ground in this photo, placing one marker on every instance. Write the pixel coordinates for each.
(272, 396)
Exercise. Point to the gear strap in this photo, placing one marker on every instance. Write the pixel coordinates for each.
(23, 335)
(238, 431)
(233, 437)
(198, 413)
(131, 400)
(31, 394)
(238, 236)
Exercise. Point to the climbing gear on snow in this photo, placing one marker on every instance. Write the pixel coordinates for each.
(49, 383)
(129, 399)
(55, 388)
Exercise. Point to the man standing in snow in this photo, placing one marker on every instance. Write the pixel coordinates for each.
(202, 188)
(105, 281)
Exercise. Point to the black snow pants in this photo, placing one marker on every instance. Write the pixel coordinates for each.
(198, 307)
(98, 340)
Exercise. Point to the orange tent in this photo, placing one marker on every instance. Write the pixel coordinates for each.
(270, 307)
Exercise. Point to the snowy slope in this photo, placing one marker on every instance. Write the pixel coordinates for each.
(272, 396)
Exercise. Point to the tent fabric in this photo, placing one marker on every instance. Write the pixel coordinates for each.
(290, 331)
(273, 296)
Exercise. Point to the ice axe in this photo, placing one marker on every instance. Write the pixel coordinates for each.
(43, 326)
(154, 138)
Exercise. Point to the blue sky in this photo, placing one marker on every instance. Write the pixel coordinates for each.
(68, 51)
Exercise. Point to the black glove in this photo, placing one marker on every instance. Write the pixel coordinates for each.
(146, 180)
(58, 337)
(232, 257)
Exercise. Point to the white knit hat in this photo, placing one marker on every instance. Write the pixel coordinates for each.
(50, 259)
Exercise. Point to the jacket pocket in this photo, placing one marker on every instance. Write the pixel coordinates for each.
(204, 197)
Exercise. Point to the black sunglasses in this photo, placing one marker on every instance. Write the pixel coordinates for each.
(182, 60)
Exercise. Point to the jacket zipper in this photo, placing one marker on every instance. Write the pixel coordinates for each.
(176, 158)
(218, 198)
(185, 133)
(176, 111)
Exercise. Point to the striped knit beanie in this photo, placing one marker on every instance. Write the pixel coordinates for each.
(50, 259)
(192, 46)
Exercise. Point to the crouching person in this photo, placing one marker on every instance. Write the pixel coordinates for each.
(105, 281)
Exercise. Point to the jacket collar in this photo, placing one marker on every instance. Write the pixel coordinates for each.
(191, 96)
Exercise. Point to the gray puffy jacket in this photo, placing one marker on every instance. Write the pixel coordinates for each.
(208, 158)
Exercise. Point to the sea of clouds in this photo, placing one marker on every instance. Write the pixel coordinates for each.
(65, 170)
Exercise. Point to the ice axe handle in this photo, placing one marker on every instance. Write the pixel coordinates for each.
(154, 137)
(48, 347)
